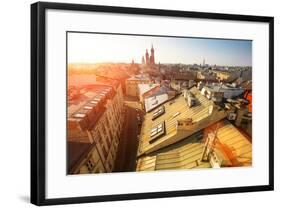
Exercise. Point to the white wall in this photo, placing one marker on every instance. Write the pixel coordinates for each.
(14, 83)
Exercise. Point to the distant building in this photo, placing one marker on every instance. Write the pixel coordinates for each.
(133, 82)
(178, 75)
(227, 76)
(149, 60)
(152, 59)
(157, 96)
(178, 85)
(153, 102)
(240, 112)
(218, 90)
(146, 57)
(181, 84)
(246, 75)
(206, 76)
(93, 127)
(146, 89)
(142, 60)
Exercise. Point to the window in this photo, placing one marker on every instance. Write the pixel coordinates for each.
(107, 140)
(157, 131)
(97, 136)
(110, 166)
(103, 128)
(107, 122)
(90, 165)
(158, 112)
(94, 102)
(79, 115)
(104, 151)
(88, 107)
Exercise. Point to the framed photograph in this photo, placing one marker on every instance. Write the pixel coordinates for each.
(136, 103)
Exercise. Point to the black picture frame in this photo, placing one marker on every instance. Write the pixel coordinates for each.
(38, 102)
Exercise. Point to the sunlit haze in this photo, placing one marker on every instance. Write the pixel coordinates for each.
(97, 48)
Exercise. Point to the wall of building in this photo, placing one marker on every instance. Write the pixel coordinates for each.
(106, 135)
(132, 86)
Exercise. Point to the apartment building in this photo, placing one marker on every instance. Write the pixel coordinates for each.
(94, 126)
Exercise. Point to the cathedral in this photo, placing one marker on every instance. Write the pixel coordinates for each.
(149, 60)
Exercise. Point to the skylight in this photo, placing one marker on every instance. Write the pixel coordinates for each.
(79, 115)
(88, 107)
(158, 112)
(157, 131)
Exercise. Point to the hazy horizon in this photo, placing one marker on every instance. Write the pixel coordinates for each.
(91, 48)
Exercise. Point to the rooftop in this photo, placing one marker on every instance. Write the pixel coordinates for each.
(139, 77)
(177, 113)
(222, 87)
(157, 96)
(86, 95)
(187, 153)
(235, 144)
(155, 101)
(143, 88)
(162, 90)
(85, 107)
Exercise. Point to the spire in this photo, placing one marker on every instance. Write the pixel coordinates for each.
(143, 60)
(146, 57)
(152, 59)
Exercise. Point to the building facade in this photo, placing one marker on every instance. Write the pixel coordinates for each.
(132, 83)
(94, 127)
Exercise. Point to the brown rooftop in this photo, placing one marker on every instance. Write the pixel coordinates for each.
(85, 109)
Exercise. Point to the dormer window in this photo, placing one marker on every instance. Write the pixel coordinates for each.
(157, 131)
(158, 112)
(79, 115)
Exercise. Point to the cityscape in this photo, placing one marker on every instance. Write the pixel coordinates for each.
(143, 103)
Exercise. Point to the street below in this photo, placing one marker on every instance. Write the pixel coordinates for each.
(127, 148)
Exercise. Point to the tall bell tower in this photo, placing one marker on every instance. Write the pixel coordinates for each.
(152, 59)
(146, 57)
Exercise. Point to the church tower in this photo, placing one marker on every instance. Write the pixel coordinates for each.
(142, 60)
(146, 57)
(152, 59)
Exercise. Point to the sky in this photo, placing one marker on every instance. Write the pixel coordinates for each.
(98, 48)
